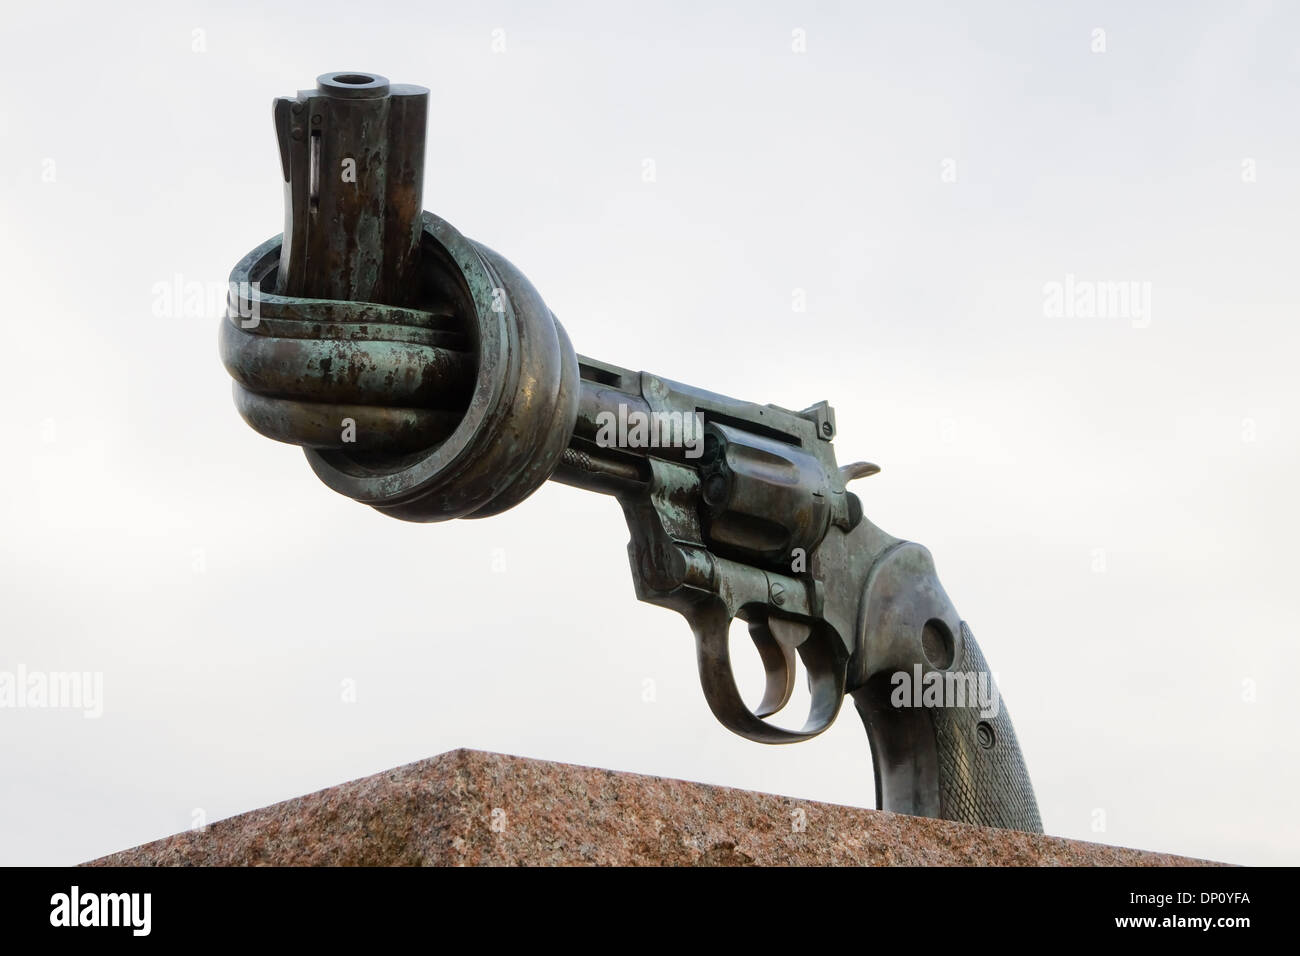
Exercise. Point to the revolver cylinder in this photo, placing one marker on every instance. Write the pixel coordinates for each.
(762, 498)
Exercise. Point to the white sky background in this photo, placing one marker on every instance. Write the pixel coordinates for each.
(225, 593)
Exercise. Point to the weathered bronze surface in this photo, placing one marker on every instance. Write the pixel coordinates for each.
(352, 155)
(454, 392)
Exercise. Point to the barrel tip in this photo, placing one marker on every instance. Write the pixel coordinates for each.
(352, 84)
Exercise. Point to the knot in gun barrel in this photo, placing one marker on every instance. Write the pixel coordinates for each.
(421, 371)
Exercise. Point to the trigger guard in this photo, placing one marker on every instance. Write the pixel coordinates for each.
(711, 624)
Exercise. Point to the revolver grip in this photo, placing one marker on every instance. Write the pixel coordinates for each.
(942, 743)
(954, 763)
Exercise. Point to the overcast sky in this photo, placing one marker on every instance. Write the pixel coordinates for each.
(1110, 499)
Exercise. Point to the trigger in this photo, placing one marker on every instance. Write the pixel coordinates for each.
(789, 633)
(776, 640)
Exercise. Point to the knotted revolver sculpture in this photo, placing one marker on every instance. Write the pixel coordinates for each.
(425, 377)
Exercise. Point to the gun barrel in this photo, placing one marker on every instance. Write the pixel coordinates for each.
(352, 155)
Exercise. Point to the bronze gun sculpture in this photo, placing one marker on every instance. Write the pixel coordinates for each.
(425, 377)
